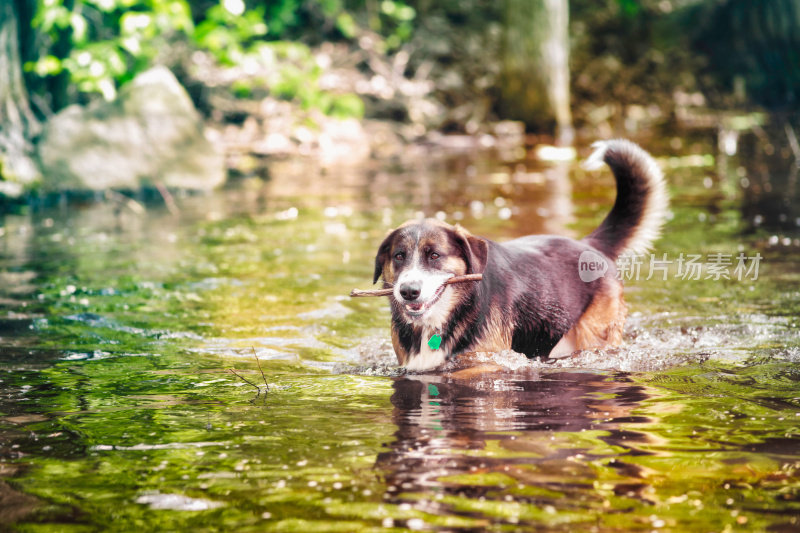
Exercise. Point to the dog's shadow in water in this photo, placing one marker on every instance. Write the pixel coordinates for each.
(519, 425)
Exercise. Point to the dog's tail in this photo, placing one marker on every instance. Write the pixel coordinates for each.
(642, 201)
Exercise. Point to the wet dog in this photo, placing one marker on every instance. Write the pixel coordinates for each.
(541, 295)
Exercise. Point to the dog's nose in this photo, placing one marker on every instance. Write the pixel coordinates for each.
(410, 291)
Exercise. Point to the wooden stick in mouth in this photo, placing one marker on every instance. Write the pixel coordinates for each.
(355, 293)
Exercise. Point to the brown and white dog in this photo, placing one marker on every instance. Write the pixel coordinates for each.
(541, 295)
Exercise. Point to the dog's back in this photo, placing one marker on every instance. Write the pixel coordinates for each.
(585, 305)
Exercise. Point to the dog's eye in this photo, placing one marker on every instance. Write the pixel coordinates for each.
(434, 255)
(399, 256)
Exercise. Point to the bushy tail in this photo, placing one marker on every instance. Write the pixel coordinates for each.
(642, 201)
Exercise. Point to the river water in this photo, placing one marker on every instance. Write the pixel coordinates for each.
(120, 322)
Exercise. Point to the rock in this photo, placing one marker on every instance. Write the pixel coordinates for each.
(343, 142)
(151, 134)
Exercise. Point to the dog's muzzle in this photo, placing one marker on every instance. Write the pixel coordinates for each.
(410, 293)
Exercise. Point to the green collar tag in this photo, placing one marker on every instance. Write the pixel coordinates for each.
(435, 341)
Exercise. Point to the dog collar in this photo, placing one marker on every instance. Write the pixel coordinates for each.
(435, 341)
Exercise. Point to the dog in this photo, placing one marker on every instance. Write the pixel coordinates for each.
(541, 295)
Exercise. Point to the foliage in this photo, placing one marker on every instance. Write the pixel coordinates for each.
(753, 48)
(629, 52)
(398, 17)
(392, 21)
(226, 33)
(110, 41)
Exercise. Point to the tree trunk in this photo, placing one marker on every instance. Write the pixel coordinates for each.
(17, 123)
(535, 80)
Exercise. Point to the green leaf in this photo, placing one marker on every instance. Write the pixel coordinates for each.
(45, 66)
(347, 106)
(347, 25)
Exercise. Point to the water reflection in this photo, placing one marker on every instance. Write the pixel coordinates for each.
(478, 189)
(114, 319)
(511, 438)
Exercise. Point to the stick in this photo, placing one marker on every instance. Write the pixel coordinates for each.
(355, 293)
(238, 375)
(172, 207)
(259, 368)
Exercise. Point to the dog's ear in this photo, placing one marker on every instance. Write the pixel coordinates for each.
(475, 250)
(382, 256)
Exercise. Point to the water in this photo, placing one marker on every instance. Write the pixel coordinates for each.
(119, 326)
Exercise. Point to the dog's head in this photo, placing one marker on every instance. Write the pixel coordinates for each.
(418, 257)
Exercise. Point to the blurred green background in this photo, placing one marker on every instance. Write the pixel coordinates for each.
(561, 68)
